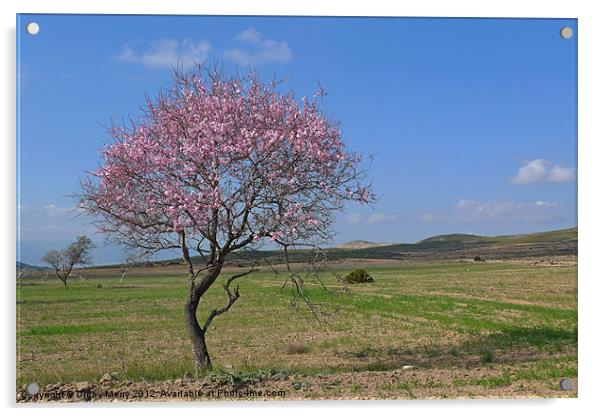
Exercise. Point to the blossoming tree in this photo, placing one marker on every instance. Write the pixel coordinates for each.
(216, 165)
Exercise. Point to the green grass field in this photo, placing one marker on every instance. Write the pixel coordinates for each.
(456, 329)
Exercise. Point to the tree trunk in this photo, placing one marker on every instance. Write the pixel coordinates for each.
(196, 333)
(64, 280)
(197, 337)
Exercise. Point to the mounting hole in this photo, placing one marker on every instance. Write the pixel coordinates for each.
(32, 28)
(566, 384)
(566, 32)
(33, 388)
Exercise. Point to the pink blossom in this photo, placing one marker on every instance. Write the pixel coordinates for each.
(210, 150)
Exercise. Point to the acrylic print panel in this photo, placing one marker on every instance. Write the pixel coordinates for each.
(268, 208)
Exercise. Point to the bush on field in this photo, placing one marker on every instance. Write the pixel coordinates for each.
(295, 348)
(358, 276)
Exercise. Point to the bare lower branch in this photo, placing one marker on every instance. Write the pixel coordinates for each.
(233, 295)
(315, 270)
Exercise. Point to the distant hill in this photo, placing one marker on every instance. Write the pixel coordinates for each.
(533, 238)
(442, 247)
(359, 244)
(567, 234)
(456, 238)
(24, 266)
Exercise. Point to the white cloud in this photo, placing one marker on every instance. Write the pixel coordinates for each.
(380, 217)
(430, 216)
(540, 211)
(560, 174)
(546, 204)
(532, 171)
(541, 170)
(52, 221)
(250, 35)
(354, 218)
(54, 211)
(166, 53)
(263, 50)
(473, 211)
(26, 74)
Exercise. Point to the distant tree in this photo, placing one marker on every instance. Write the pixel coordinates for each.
(22, 274)
(216, 165)
(131, 259)
(123, 270)
(63, 262)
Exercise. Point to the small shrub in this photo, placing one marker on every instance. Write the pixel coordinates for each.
(356, 388)
(432, 350)
(274, 374)
(294, 348)
(363, 352)
(238, 379)
(298, 385)
(358, 276)
(487, 355)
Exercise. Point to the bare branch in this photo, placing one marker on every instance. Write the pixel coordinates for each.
(233, 295)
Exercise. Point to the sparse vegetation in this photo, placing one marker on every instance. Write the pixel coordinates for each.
(487, 355)
(434, 328)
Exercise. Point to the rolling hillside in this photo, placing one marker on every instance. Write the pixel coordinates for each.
(360, 244)
(24, 267)
(443, 247)
(500, 240)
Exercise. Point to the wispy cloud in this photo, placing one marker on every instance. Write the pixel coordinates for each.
(377, 217)
(54, 211)
(52, 222)
(166, 53)
(561, 174)
(380, 217)
(430, 216)
(261, 49)
(539, 211)
(26, 73)
(474, 211)
(354, 218)
(541, 170)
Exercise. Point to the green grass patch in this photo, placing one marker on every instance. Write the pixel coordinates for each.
(433, 315)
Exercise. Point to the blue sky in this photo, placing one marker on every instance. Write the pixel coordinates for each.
(472, 122)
